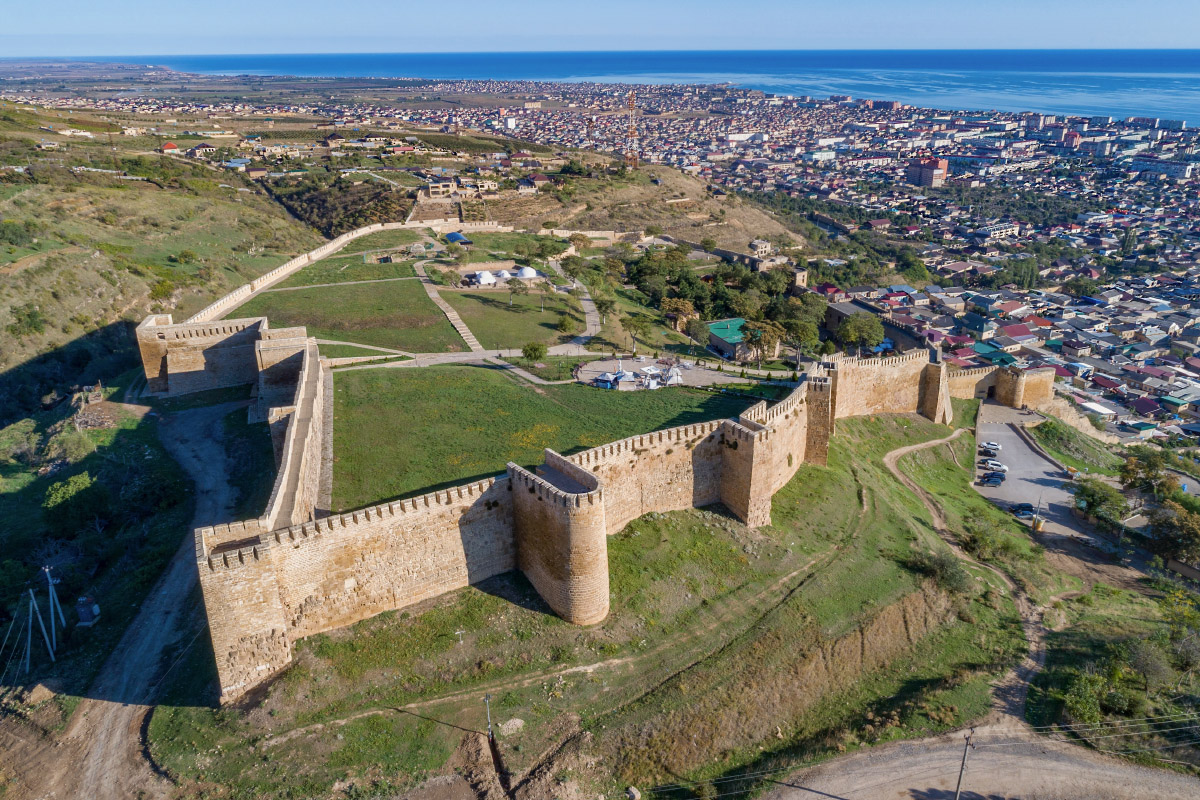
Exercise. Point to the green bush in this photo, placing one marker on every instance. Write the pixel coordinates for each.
(944, 568)
(72, 503)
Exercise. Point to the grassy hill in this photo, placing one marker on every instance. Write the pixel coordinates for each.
(84, 254)
(677, 203)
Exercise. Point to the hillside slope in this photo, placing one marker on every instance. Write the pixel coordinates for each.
(677, 203)
(85, 253)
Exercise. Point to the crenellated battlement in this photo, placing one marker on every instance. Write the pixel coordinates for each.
(290, 574)
(971, 372)
(680, 435)
(524, 480)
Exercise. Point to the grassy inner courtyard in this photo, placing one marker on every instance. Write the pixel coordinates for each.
(404, 432)
(344, 269)
(500, 326)
(397, 314)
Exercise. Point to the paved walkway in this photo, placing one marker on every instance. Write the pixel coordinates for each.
(447, 309)
(591, 316)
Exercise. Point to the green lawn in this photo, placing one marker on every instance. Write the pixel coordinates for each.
(555, 368)
(347, 268)
(661, 338)
(382, 240)
(404, 432)
(397, 314)
(499, 326)
(505, 245)
(348, 351)
(1076, 449)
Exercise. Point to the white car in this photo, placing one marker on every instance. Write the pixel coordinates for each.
(991, 446)
(993, 465)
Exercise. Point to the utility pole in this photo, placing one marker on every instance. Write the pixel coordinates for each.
(487, 701)
(962, 769)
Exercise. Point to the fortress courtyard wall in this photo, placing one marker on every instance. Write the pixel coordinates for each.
(270, 581)
(667, 470)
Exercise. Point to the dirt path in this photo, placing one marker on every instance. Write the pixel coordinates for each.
(99, 755)
(1010, 760)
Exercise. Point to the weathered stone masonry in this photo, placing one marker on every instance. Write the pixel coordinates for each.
(271, 581)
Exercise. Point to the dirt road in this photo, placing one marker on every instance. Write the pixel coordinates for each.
(928, 770)
(1010, 759)
(99, 756)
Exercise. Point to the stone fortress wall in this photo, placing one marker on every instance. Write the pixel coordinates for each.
(270, 581)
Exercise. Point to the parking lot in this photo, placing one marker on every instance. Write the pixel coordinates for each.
(1031, 477)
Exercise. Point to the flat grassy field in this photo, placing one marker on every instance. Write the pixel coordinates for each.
(499, 326)
(710, 625)
(1076, 449)
(404, 432)
(492, 246)
(343, 269)
(347, 351)
(397, 314)
(382, 240)
(554, 368)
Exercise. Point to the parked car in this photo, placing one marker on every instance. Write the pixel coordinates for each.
(993, 465)
(992, 482)
(991, 446)
(1025, 514)
(999, 475)
(1017, 508)
(983, 451)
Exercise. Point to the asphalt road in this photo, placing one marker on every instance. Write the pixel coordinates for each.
(1031, 477)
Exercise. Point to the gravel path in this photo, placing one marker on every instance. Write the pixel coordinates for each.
(100, 754)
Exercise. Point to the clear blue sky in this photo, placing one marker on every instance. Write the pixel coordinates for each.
(158, 27)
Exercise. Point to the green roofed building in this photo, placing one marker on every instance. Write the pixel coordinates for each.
(727, 337)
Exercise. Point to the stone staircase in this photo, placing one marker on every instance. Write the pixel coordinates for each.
(448, 310)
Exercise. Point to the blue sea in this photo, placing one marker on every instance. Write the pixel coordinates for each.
(1118, 83)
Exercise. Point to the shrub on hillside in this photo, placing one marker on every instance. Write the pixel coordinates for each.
(944, 568)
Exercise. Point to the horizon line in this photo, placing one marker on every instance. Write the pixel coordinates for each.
(625, 50)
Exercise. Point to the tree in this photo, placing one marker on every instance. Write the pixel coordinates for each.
(1147, 659)
(1176, 532)
(801, 335)
(516, 286)
(1100, 499)
(605, 306)
(861, 330)
(1080, 286)
(544, 288)
(534, 351)
(1145, 471)
(636, 325)
(565, 324)
(762, 337)
(653, 230)
(708, 243)
(579, 241)
(697, 331)
(682, 310)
